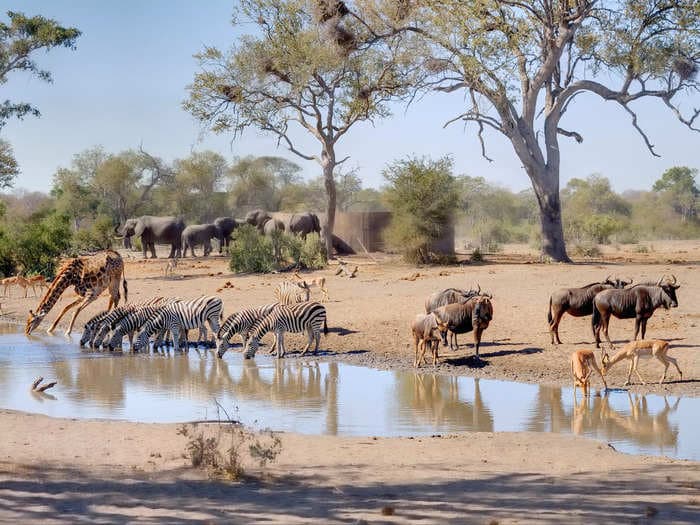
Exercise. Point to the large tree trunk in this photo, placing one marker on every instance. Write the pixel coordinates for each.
(329, 183)
(545, 182)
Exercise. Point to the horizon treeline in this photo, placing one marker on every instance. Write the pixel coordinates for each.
(100, 190)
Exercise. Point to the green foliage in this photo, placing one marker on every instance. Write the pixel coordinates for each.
(9, 169)
(264, 182)
(593, 212)
(21, 38)
(313, 252)
(98, 236)
(39, 243)
(678, 188)
(422, 194)
(250, 251)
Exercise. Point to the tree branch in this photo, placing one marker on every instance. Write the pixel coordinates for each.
(573, 134)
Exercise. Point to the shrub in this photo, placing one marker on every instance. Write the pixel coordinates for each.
(313, 252)
(40, 242)
(422, 195)
(97, 237)
(250, 251)
(585, 250)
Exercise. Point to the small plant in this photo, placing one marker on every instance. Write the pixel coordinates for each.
(476, 256)
(641, 249)
(313, 253)
(585, 250)
(220, 453)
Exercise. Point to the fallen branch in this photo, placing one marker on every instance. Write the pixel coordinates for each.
(38, 387)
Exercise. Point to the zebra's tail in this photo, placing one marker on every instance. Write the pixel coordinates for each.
(325, 328)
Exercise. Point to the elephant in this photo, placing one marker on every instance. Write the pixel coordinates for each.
(199, 234)
(226, 226)
(153, 230)
(304, 223)
(272, 225)
(258, 218)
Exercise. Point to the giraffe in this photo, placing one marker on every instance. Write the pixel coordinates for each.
(90, 275)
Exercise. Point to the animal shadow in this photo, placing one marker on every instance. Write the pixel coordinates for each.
(342, 331)
(470, 361)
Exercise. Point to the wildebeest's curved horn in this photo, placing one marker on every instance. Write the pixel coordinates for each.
(608, 278)
(478, 288)
(660, 280)
(674, 279)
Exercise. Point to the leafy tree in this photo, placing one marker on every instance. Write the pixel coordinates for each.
(73, 196)
(422, 194)
(308, 67)
(20, 38)
(39, 243)
(593, 210)
(8, 165)
(521, 64)
(115, 184)
(678, 185)
(196, 184)
(262, 182)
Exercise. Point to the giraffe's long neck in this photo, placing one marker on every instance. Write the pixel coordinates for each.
(62, 281)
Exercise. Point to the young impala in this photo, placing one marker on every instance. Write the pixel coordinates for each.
(646, 348)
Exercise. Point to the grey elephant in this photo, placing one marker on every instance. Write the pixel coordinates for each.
(226, 226)
(304, 223)
(258, 218)
(272, 225)
(153, 230)
(197, 234)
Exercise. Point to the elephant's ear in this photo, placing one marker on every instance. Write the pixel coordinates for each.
(140, 226)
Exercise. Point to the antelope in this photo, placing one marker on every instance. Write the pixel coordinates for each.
(582, 365)
(426, 330)
(645, 348)
(37, 280)
(19, 281)
(318, 281)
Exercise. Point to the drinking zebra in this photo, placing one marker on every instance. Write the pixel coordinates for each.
(296, 318)
(132, 321)
(97, 333)
(290, 292)
(241, 323)
(182, 316)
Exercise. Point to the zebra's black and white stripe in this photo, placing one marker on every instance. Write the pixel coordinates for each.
(134, 320)
(241, 323)
(92, 326)
(291, 292)
(296, 318)
(181, 316)
(108, 322)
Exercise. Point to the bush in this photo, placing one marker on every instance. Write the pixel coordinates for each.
(250, 251)
(40, 242)
(585, 250)
(97, 237)
(422, 195)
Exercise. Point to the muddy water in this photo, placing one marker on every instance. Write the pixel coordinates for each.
(326, 397)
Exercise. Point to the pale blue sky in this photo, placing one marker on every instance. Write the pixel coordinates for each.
(125, 83)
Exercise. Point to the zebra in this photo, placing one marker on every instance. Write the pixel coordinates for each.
(131, 322)
(92, 325)
(290, 292)
(299, 317)
(106, 323)
(182, 316)
(241, 323)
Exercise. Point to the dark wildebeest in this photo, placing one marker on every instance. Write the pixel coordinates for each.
(638, 302)
(449, 296)
(460, 318)
(577, 302)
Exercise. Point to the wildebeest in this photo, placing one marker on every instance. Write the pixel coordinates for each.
(460, 318)
(577, 302)
(425, 330)
(638, 302)
(449, 296)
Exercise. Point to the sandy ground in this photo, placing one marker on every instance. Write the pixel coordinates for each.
(54, 470)
(69, 471)
(369, 315)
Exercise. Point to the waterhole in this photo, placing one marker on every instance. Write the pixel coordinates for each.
(326, 397)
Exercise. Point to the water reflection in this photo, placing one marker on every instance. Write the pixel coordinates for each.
(330, 398)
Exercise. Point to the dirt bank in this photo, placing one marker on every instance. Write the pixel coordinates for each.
(68, 471)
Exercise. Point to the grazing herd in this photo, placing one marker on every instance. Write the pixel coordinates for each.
(448, 313)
